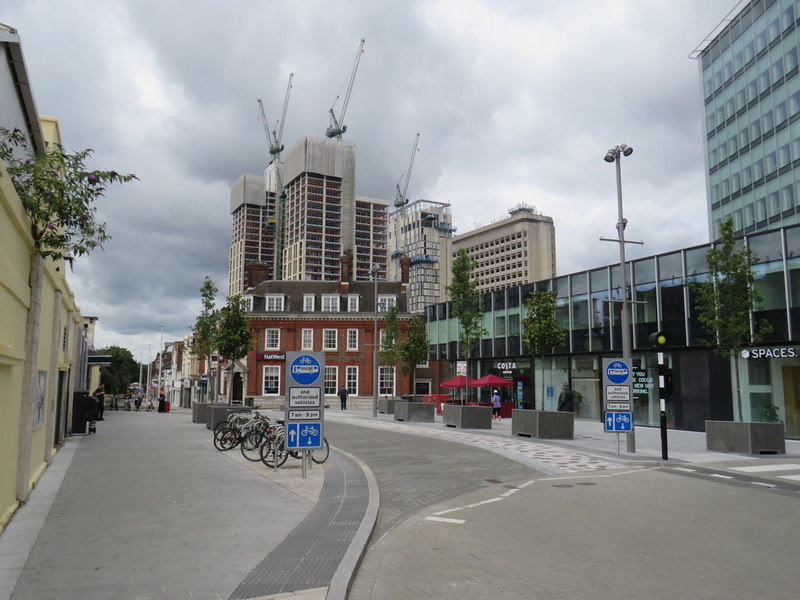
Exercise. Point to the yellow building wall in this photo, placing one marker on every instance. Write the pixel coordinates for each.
(16, 251)
(15, 254)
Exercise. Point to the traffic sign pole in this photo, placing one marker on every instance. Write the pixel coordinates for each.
(663, 405)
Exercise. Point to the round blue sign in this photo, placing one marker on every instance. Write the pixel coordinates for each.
(305, 370)
(618, 372)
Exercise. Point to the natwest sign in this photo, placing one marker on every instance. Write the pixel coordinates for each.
(271, 356)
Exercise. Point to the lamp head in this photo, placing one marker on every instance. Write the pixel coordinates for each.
(626, 150)
(610, 156)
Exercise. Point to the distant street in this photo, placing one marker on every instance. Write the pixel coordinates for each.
(460, 522)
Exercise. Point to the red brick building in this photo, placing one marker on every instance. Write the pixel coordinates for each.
(337, 318)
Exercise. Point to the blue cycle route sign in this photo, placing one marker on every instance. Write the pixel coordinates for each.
(304, 436)
(618, 372)
(305, 370)
(619, 421)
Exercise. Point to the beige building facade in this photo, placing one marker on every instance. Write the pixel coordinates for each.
(516, 250)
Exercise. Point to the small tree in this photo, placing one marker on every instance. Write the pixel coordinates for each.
(726, 298)
(540, 330)
(389, 349)
(414, 349)
(205, 329)
(57, 192)
(233, 338)
(466, 304)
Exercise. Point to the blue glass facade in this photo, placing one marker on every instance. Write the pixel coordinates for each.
(701, 380)
(751, 91)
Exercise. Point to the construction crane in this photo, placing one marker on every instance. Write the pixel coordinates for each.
(275, 146)
(402, 199)
(337, 126)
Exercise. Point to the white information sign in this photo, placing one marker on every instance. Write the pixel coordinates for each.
(618, 393)
(305, 398)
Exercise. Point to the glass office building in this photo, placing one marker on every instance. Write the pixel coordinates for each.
(751, 90)
(699, 386)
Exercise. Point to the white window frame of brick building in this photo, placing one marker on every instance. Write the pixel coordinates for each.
(385, 301)
(352, 303)
(351, 379)
(386, 380)
(331, 383)
(328, 336)
(307, 339)
(274, 302)
(272, 339)
(330, 303)
(274, 374)
(308, 302)
(352, 339)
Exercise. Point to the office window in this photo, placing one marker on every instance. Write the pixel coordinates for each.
(352, 303)
(352, 339)
(330, 303)
(274, 302)
(308, 303)
(307, 341)
(329, 339)
(272, 339)
(331, 381)
(272, 380)
(352, 379)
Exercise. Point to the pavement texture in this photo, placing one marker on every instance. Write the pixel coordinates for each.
(147, 509)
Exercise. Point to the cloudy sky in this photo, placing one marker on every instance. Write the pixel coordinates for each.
(516, 101)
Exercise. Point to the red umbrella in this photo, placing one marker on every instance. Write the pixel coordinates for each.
(492, 381)
(459, 381)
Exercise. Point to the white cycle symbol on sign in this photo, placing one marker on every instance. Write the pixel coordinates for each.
(622, 418)
(308, 430)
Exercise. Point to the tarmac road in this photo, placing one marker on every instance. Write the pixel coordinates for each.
(472, 524)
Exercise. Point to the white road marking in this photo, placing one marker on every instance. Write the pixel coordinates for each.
(792, 477)
(444, 520)
(720, 476)
(766, 468)
(769, 485)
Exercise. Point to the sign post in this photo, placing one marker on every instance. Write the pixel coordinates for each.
(617, 396)
(304, 407)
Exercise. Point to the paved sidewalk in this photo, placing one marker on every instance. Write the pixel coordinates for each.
(147, 509)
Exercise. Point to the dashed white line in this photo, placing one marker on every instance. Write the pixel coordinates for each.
(765, 468)
(792, 477)
(719, 476)
(445, 520)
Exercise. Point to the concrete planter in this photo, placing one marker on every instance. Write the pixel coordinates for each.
(543, 424)
(217, 413)
(386, 405)
(467, 417)
(414, 412)
(746, 438)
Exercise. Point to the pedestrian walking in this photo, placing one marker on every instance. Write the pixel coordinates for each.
(496, 406)
(162, 401)
(100, 394)
(343, 393)
(566, 400)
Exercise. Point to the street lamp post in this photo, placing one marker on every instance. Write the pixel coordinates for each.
(375, 343)
(614, 155)
(160, 359)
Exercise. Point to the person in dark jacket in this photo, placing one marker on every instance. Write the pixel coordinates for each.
(100, 394)
(566, 400)
(343, 393)
(162, 402)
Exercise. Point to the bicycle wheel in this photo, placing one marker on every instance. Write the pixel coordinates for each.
(251, 445)
(320, 455)
(220, 426)
(273, 458)
(226, 439)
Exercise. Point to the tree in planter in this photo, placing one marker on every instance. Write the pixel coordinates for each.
(233, 339)
(205, 329)
(540, 330)
(57, 192)
(414, 349)
(466, 304)
(725, 299)
(406, 351)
